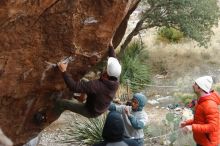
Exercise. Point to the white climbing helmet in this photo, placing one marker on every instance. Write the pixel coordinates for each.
(205, 83)
(113, 67)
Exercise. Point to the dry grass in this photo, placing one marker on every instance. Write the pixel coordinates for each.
(183, 61)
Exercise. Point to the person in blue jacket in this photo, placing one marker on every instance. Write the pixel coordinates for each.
(134, 117)
(113, 132)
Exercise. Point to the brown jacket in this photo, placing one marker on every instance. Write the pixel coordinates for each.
(99, 92)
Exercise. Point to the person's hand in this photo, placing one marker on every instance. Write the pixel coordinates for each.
(127, 112)
(187, 129)
(80, 97)
(128, 103)
(182, 124)
(62, 66)
(110, 43)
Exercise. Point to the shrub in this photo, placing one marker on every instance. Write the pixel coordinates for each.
(170, 34)
(133, 67)
(166, 131)
(87, 131)
(185, 98)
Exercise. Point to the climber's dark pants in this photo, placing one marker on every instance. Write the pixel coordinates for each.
(79, 108)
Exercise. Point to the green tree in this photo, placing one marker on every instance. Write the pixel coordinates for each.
(194, 18)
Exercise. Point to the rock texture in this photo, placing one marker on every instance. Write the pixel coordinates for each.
(36, 33)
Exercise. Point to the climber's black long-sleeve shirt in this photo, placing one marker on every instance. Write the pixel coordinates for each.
(99, 92)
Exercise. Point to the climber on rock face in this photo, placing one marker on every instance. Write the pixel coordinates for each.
(99, 92)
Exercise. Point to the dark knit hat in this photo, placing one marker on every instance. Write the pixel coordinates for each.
(114, 128)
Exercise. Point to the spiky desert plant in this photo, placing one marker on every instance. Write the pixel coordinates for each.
(86, 131)
(134, 67)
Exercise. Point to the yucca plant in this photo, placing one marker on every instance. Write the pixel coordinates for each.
(134, 68)
(87, 131)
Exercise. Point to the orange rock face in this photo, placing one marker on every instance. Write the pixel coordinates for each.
(37, 33)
